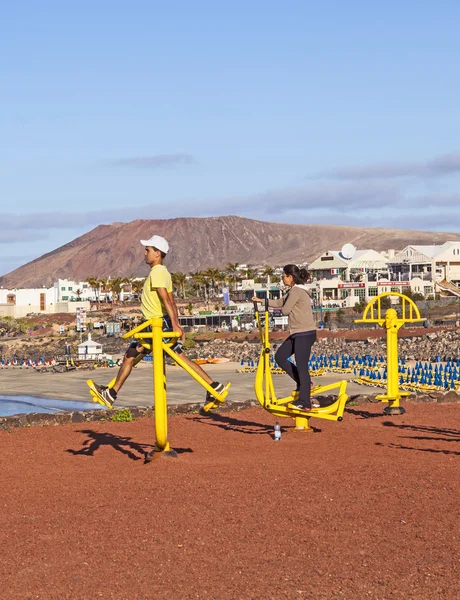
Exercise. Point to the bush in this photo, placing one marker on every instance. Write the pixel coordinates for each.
(189, 343)
(122, 415)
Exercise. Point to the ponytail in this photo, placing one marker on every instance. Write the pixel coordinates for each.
(299, 275)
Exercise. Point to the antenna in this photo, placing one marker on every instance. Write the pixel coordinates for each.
(348, 251)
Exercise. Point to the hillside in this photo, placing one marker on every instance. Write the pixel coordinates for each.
(197, 243)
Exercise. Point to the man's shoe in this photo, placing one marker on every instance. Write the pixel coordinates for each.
(219, 387)
(106, 393)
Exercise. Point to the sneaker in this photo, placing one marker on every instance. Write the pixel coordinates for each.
(219, 387)
(300, 406)
(106, 393)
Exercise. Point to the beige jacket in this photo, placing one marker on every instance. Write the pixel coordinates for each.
(296, 304)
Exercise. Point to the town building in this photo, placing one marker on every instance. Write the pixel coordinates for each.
(89, 349)
(19, 302)
(344, 279)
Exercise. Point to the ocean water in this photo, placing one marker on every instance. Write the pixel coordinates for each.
(16, 405)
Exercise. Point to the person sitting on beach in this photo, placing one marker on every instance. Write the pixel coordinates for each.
(296, 304)
(156, 301)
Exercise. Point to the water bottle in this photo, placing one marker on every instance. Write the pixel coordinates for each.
(277, 434)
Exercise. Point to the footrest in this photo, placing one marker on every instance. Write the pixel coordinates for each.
(299, 412)
(218, 399)
(96, 395)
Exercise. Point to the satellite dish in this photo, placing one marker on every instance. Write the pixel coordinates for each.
(348, 251)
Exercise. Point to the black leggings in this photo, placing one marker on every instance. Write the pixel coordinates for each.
(300, 346)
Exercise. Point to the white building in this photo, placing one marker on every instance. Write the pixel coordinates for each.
(333, 264)
(89, 350)
(18, 302)
(70, 291)
(438, 265)
(345, 280)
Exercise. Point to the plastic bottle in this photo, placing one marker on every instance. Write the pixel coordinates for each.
(277, 434)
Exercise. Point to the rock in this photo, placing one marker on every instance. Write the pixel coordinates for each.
(78, 417)
(450, 396)
(424, 398)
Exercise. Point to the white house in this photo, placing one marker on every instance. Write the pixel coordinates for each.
(346, 279)
(18, 302)
(333, 264)
(437, 266)
(89, 350)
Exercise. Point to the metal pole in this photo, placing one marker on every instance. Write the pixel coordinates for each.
(162, 447)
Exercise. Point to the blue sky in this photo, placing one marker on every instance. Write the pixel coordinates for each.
(338, 112)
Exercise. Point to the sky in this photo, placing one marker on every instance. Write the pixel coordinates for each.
(341, 113)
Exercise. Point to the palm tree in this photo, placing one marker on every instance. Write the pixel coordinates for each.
(103, 286)
(179, 280)
(79, 293)
(213, 275)
(221, 277)
(199, 280)
(93, 283)
(250, 272)
(233, 272)
(137, 286)
(115, 286)
(268, 271)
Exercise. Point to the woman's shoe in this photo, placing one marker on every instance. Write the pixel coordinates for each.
(300, 406)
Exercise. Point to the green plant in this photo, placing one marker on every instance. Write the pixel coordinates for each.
(189, 343)
(122, 415)
(359, 306)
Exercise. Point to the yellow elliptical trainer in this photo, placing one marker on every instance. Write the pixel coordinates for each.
(392, 323)
(154, 340)
(280, 407)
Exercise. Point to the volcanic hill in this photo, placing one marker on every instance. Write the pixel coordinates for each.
(198, 243)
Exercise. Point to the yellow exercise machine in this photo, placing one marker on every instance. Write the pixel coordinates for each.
(153, 340)
(280, 407)
(392, 323)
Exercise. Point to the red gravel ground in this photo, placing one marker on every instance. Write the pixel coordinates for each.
(366, 508)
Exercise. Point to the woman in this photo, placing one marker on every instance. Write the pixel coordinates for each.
(296, 304)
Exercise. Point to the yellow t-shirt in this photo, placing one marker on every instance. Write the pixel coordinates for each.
(151, 304)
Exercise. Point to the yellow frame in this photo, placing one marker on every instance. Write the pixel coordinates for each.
(279, 407)
(392, 323)
(158, 347)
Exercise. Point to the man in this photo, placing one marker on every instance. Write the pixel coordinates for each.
(156, 301)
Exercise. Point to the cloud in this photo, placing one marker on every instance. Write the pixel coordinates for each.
(340, 197)
(370, 203)
(9, 263)
(158, 161)
(8, 236)
(448, 164)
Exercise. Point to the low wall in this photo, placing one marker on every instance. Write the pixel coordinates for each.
(44, 419)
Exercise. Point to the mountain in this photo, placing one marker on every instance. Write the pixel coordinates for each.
(198, 243)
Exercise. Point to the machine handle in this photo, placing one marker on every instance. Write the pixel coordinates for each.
(266, 304)
(256, 308)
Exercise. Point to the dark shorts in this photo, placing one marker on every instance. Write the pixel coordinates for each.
(167, 326)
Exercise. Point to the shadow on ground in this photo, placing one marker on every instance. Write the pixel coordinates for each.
(364, 414)
(424, 433)
(229, 423)
(123, 444)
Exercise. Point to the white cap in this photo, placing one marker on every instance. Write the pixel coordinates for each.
(157, 242)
